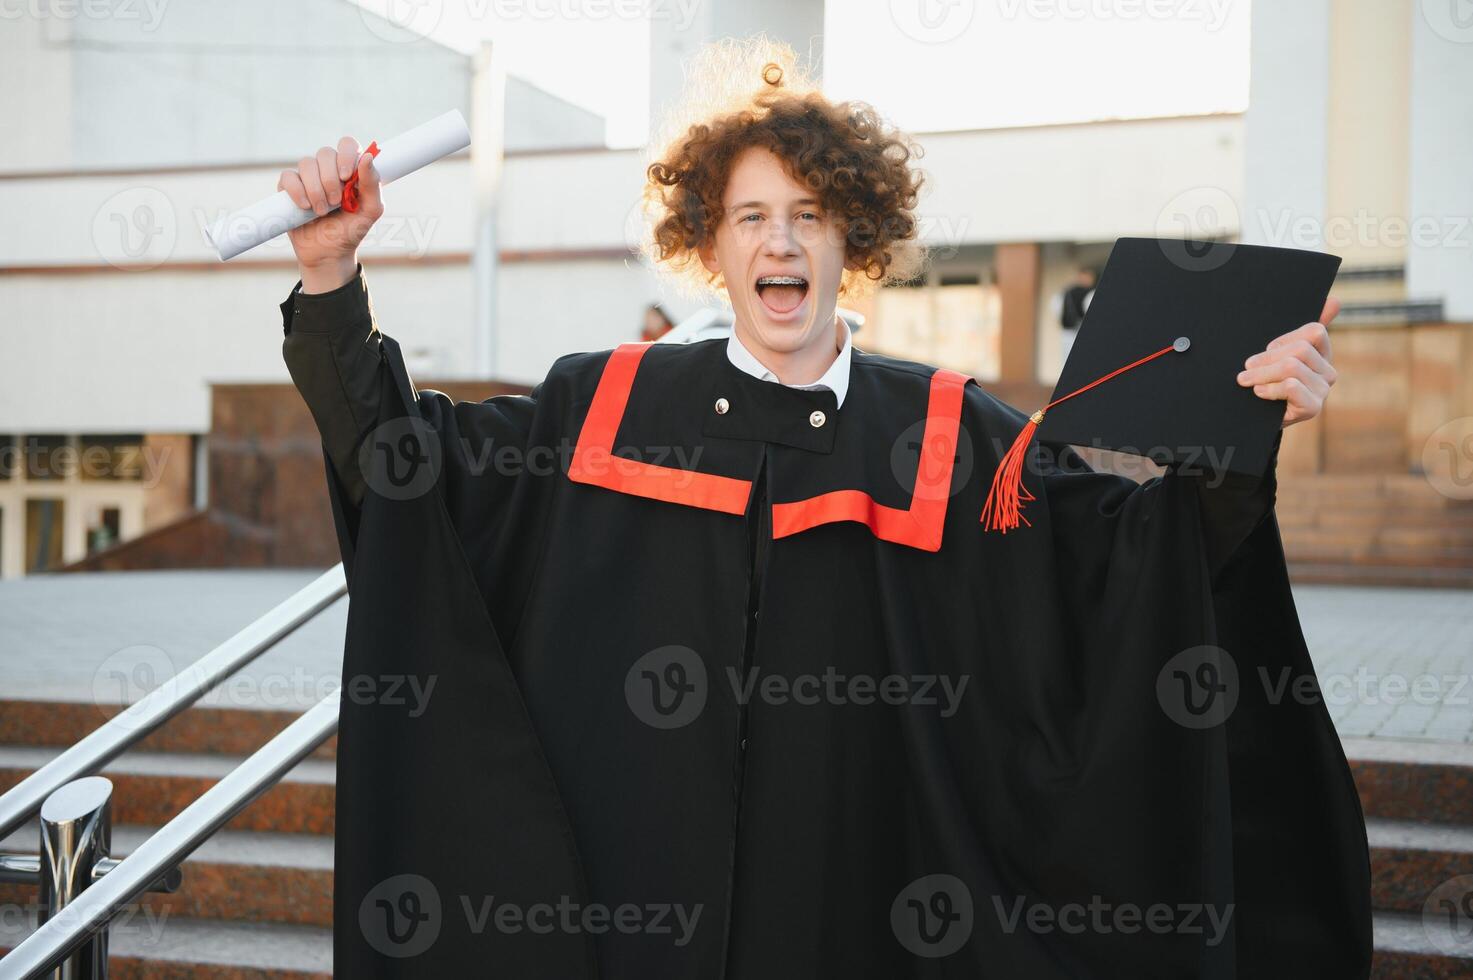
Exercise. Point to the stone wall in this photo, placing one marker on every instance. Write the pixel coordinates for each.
(267, 487)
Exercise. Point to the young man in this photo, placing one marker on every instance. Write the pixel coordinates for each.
(729, 680)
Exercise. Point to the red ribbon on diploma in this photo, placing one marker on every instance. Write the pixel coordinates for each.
(350, 186)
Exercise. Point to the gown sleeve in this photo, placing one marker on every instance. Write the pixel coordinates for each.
(493, 475)
(353, 379)
(334, 354)
(1160, 633)
(1232, 505)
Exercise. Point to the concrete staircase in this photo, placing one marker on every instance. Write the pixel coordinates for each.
(1365, 529)
(1418, 802)
(256, 900)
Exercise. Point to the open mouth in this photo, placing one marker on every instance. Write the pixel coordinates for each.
(781, 294)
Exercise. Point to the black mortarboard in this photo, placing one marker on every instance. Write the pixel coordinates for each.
(1154, 369)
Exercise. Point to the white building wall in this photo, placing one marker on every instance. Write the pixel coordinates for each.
(172, 330)
(1440, 259)
(678, 29)
(1075, 183)
(548, 309)
(228, 83)
(35, 70)
(1285, 164)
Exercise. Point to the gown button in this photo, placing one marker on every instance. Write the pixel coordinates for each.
(817, 419)
(744, 745)
(722, 406)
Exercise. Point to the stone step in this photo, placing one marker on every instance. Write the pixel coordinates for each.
(1452, 568)
(259, 901)
(239, 875)
(1316, 513)
(150, 788)
(143, 945)
(1427, 567)
(263, 877)
(1424, 539)
(225, 731)
(1398, 779)
(1401, 547)
(1364, 527)
(253, 878)
(1352, 573)
(1421, 498)
(1411, 488)
(1426, 782)
(1410, 860)
(1411, 947)
(1455, 532)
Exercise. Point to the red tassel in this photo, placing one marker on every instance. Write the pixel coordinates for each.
(350, 186)
(1004, 507)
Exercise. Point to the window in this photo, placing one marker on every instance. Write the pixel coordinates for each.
(44, 522)
(110, 457)
(48, 457)
(955, 324)
(103, 528)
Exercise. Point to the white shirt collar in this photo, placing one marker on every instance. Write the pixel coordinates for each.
(835, 379)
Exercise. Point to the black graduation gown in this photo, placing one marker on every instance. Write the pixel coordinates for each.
(587, 793)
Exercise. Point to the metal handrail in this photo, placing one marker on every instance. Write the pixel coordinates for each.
(96, 905)
(118, 733)
(24, 869)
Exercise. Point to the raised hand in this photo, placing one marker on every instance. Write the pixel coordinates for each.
(1296, 368)
(327, 247)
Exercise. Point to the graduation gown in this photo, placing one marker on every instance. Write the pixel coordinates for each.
(729, 682)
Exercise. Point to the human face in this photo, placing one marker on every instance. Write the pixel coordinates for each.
(772, 225)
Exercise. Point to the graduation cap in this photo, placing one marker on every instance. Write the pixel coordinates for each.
(1154, 369)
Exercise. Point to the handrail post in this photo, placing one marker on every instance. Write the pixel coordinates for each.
(76, 834)
(150, 864)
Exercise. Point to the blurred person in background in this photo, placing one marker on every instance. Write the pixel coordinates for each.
(1071, 304)
(656, 323)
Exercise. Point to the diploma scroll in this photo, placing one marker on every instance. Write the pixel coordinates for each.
(243, 230)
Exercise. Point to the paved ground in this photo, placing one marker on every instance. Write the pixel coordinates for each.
(1393, 663)
(108, 636)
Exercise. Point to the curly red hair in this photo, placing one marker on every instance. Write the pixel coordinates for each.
(857, 165)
